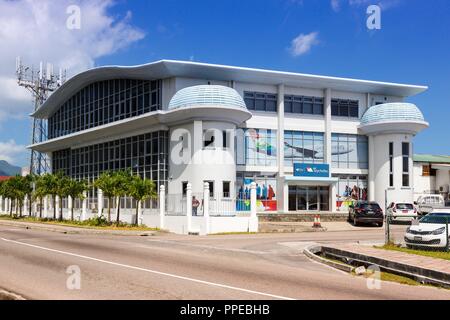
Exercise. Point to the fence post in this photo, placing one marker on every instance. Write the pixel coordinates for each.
(69, 206)
(24, 205)
(1, 204)
(100, 202)
(189, 207)
(84, 206)
(253, 221)
(45, 213)
(447, 247)
(162, 205)
(57, 204)
(206, 206)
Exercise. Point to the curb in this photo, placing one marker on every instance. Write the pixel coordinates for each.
(311, 251)
(74, 230)
(420, 274)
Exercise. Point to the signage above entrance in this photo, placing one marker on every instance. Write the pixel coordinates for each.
(311, 170)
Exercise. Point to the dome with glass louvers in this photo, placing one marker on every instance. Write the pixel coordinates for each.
(207, 95)
(392, 112)
(396, 117)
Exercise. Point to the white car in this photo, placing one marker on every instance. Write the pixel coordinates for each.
(430, 231)
(402, 211)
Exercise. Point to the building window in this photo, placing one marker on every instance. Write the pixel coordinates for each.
(225, 139)
(256, 147)
(405, 161)
(145, 155)
(345, 108)
(349, 151)
(184, 187)
(208, 139)
(104, 102)
(311, 198)
(211, 188)
(259, 101)
(303, 147)
(226, 189)
(391, 164)
(303, 105)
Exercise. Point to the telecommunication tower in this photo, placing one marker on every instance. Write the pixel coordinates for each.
(40, 82)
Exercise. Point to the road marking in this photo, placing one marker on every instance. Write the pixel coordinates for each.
(149, 270)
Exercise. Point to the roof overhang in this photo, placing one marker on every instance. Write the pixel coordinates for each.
(319, 181)
(157, 120)
(169, 68)
(388, 127)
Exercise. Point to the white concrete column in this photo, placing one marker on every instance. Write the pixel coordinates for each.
(280, 130)
(24, 205)
(333, 197)
(84, 207)
(327, 137)
(253, 199)
(253, 220)
(189, 207)
(35, 208)
(162, 205)
(371, 195)
(57, 204)
(206, 206)
(8, 205)
(70, 205)
(1, 204)
(100, 201)
(280, 150)
(45, 211)
(139, 213)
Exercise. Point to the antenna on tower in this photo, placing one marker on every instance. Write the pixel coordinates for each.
(40, 83)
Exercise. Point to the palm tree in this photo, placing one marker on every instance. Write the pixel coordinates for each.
(40, 192)
(121, 181)
(28, 186)
(8, 192)
(75, 190)
(50, 187)
(61, 191)
(141, 189)
(106, 183)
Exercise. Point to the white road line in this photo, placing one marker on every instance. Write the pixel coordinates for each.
(149, 270)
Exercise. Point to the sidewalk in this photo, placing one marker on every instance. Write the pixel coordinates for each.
(74, 229)
(423, 266)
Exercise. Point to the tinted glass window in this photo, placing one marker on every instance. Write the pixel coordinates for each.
(404, 206)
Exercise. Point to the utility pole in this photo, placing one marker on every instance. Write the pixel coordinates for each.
(40, 82)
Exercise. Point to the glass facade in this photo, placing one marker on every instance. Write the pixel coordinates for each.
(104, 102)
(345, 108)
(303, 105)
(349, 189)
(260, 101)
(309, 198)
(145, 154)
(266, 186)
(349, 151)
(302, 146)
(257, 148)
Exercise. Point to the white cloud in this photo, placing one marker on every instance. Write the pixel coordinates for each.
(36, 31)
(11, 151)
(335, 5)
(303, 43)
(384, 4)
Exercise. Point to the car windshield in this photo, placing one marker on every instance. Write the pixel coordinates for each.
(405, 206)
(369, 206)
(437, 217)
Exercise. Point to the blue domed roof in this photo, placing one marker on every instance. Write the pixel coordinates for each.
(388, 112)
(213, 95)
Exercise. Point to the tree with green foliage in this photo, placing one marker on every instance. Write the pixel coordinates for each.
(40, 192)
(121, 181)
(74, 189)
(141, 190)
(105, 182)
(61, 191)
(28, 188)
(50, 184)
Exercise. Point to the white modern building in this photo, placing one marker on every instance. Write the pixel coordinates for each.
(310, 143)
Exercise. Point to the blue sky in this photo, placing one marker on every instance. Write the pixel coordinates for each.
(413, 46)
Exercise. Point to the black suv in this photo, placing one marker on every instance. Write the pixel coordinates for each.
(365, 212)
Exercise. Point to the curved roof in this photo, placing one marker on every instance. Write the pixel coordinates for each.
(389, 112)
(212, 95)
(169, 68)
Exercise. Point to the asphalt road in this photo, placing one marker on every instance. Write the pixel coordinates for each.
(34, 264)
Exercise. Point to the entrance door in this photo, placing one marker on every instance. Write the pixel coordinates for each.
(313, 203)
(308, 198)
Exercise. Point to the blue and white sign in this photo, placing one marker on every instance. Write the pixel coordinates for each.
(311, 170)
